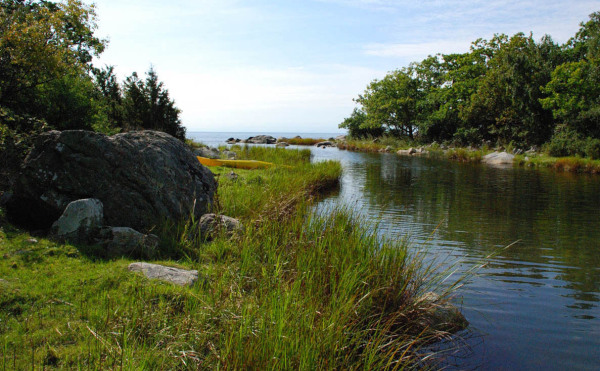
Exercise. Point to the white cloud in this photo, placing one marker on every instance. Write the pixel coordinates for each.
(417, 51)
(261, 99)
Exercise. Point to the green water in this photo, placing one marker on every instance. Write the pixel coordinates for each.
(535, 305)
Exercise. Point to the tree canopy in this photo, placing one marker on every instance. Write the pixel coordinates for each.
(47, 76)
(515, 90)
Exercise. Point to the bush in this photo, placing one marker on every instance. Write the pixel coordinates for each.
(565, 142)
(464, 136)
(592, 148)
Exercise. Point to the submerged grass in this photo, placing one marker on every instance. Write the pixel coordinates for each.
(295, 290)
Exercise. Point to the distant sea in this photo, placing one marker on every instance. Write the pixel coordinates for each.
(214, 139)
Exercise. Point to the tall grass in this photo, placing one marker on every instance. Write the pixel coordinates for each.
(294, 290)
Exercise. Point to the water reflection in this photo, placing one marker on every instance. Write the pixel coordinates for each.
(537, 301)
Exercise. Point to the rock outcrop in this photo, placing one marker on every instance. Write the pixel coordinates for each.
(325, 144)
(141, 178)
(261, 139)
(181, 277)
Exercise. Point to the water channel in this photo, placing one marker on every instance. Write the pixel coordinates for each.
(534, 305)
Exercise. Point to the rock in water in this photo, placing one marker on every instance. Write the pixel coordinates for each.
(177, 276)
(141, 178)
(498, 158)
(80, 220)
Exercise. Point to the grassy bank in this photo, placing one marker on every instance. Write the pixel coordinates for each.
(462, 154)
(294, 290)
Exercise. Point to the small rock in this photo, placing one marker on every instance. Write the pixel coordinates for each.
(442, 315)
(32, 241)
(125, 240)
(80, 220)
(282, 144)
(5, 198)
(181, 277)
(340, 138)
(207, 152)
(211, 224)
(230, 155)
(232, 176)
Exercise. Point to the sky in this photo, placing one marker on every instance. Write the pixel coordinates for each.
(296, 65)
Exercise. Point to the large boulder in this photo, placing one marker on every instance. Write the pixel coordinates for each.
(498, 158)
(141, 178)
(262, 139)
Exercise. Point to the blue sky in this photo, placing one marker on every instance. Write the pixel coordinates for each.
(295, 66)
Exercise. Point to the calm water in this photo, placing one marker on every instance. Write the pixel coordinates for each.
(535, 305)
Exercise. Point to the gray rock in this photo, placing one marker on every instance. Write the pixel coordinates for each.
(142, 179)
(125, 240)
(262, 139)
(80, 220)
(212, 224)
(232, 176)
(5, 198)
(229, 154)
(207, 152)
(498, 158)
(181, 277)
(441, 314)
(407, 152)
(282, 144)
(325, 144)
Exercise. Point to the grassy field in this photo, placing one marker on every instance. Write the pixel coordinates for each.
(294, 290)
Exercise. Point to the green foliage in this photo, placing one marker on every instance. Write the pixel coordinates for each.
(391, 104)
(46, 73)
(147, 105)
(565, 142)
(40, 43)
(357, 126)
(507, 90)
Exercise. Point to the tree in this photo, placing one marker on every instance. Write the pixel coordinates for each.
(42, 42)
(391, 104)
(356, 125)
(573, 93)
(147, 105)
(109, 90)
(506, 106)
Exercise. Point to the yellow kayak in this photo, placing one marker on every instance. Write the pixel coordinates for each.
(238, 164)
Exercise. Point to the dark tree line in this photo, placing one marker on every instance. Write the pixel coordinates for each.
(507, 90)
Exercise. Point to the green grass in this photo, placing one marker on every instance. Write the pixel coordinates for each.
(295, 290)
(304, 141)
(568, 164)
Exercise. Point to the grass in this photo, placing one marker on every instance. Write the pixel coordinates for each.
(295, 290)
(377, 144)
(304, 141)
(568, 164)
